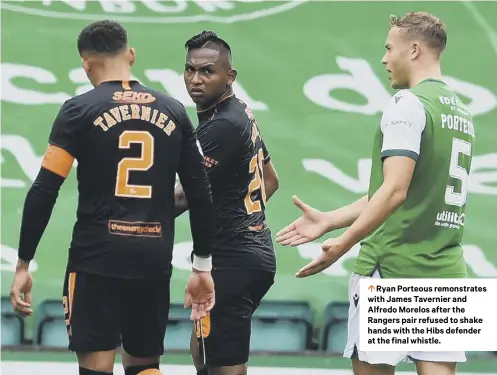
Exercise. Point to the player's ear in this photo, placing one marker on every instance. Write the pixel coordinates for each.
(86, 65)
(232, 76)
(132, 56)
(415, 50)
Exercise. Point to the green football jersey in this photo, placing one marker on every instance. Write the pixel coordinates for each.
(422, 237)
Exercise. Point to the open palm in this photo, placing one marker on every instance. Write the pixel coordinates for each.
(311, 225)
(200, 294)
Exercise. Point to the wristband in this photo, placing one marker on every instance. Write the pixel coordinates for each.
(202, 264)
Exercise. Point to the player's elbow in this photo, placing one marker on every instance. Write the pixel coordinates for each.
(180, 198)
(276, 182)
(394, 192)
(271, 180)
(400, 196)
(180, 201)
(273, 183)
(270, 186)
(397, 194)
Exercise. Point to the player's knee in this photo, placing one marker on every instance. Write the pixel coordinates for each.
(99, 362)
(439, 368)
(204, 371)
(228, 370)
(364, 368)
(86, 371)
(151, 369)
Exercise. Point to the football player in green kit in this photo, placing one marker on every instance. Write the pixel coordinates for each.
(410, 223)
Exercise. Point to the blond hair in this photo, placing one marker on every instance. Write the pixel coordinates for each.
(422, 25)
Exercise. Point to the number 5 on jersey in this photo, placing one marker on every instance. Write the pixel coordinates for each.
(142, 163)
(457, 172)
(257, 183)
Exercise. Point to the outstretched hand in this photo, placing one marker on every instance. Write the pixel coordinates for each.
(311, 225)
(332, 250)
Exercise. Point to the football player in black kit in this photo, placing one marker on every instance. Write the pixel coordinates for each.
(242, 179)
(129, 141)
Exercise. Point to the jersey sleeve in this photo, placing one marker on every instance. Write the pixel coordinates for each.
(402, 125)
(67, 128)
(193, 178)
(220, 142)
(191, 170)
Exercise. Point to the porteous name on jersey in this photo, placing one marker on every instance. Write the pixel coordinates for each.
(455, 122)
(136, 111)
(446, 218)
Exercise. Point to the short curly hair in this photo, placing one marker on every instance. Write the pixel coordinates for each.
(105, 36)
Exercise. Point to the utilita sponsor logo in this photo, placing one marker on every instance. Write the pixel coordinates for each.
(153, 11)
(449, 219)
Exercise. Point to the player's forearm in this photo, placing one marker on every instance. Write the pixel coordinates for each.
(38, 207)
(180, 201)
(380, 206)
(345, 216)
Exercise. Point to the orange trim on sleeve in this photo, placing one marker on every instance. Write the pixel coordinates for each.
(57, 160)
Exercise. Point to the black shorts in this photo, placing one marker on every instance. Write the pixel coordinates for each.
(101, 312)
(227, 329)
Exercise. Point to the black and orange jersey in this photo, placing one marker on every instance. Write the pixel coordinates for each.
(234, 155)
(129, 142)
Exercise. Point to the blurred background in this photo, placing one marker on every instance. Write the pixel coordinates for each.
(311, 72)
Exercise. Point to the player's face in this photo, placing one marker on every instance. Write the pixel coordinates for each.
(397, 58)
(206, 75)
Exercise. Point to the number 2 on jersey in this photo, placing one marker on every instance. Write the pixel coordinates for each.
(257, 183)
(459, 173)
(142, 163)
